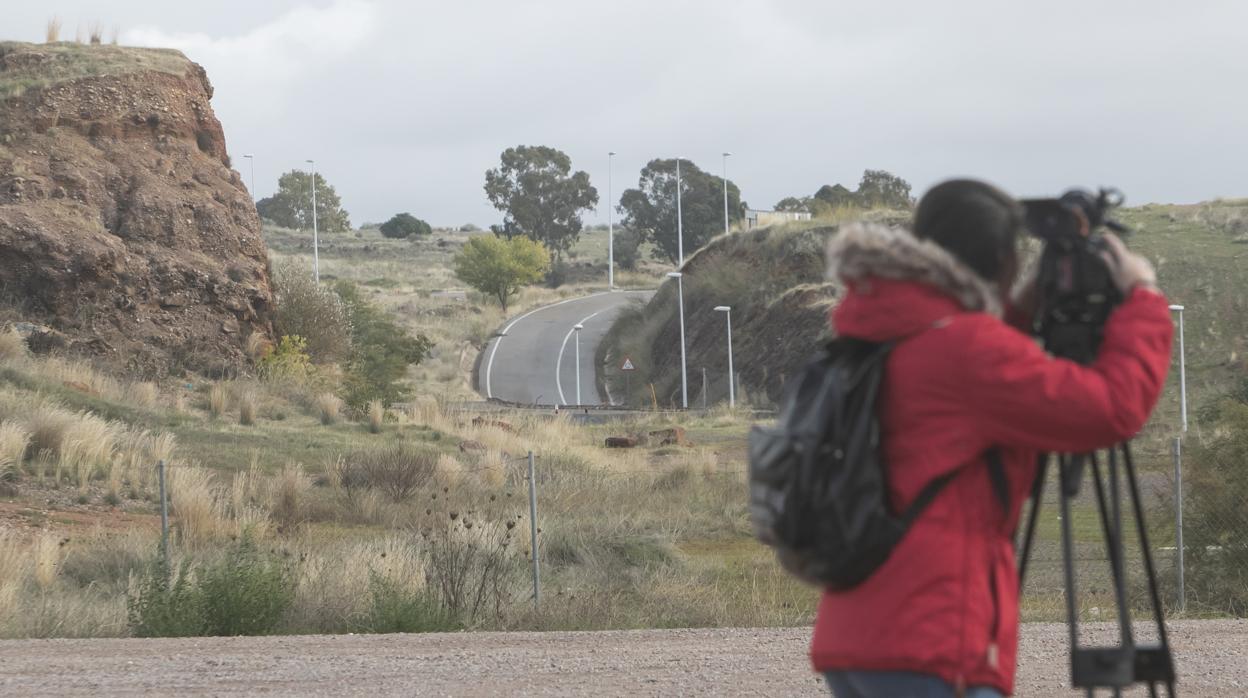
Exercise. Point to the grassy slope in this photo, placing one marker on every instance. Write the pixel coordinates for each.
(70, 61)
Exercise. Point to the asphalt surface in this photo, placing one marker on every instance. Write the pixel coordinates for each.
(533, 360)
(1212, 660)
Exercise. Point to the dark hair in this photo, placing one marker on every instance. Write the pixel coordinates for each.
(976, 222)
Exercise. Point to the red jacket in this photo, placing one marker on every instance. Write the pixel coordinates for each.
(946, 600)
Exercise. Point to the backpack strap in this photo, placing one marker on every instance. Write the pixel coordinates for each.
(926, 495)
(996, 474)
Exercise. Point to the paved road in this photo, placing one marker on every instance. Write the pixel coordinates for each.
(534, 359)
(1212, 659)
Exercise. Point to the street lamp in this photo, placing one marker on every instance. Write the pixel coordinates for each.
(610, 229)
(684, 377)
(1178, 466)
(1182, 369)
(732, 390)
(252, 159)
(578, 327)
(680, 223)
(316, 252)
(726, 155)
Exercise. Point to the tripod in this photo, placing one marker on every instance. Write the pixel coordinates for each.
(1128, 663)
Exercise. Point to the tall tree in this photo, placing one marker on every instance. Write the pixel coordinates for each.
(792, 203)
(541, 197)
(291, 206)
(881, 189)
(651, 207)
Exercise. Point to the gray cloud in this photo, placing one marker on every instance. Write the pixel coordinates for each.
(404, 105)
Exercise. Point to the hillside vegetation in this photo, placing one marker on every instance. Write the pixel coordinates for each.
(66, 60)
(774, 280)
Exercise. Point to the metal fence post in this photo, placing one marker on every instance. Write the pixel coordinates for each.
(164, 517)
(537, 585)
(1178, 519)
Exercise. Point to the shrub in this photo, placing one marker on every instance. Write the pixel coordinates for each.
(470, 567)
(395, 608)
(313, 312)
(382, 352)
(247, 593)
(159, 606)
(376, 415)
(627, 248)
(288, 361)
(397, 471)
(404, 225)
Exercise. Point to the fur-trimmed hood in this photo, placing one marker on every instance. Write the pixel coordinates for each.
(862, 250)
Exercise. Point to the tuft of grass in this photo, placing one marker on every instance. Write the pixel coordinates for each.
(246, 408)
(376, 416)
(289, 496)
(47, 559)
(12, 345)
(398, 471)
(216, 400)
(196, 504)
(13, 441)
(144, 394)
(96, 33)
(328, 407)
(448, 471)
(52, 32)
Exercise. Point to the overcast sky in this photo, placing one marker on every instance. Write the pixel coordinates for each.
(405, 104)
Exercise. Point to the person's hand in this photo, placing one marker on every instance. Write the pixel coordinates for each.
(1127, 268)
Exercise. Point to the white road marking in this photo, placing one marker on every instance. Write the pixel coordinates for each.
(559, 361)
(489, 366)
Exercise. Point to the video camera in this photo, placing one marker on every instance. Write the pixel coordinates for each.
(1075, 289)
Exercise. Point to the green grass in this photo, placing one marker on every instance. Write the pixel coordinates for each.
(65, 61)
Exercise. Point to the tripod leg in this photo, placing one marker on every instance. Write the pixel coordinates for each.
(1037, 492)
(1111, 521)
(1072, 619)
(1147, 553)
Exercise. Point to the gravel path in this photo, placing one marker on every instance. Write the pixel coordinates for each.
(1212, 657)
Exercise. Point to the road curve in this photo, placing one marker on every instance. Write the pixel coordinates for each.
(533, 359)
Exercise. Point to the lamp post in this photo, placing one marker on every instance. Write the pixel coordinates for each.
(680, 222)
(726, 155)
(578, 327)
(1178, 465)
(684, 377)
(252, 160)
(1182, 369)
(316, 251)
(610, 229)
(732, 389)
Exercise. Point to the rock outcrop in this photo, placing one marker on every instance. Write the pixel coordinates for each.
(122, 225)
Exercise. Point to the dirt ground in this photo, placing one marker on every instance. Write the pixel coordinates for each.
(1212, 657)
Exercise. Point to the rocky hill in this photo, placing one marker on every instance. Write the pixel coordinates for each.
(124, 232)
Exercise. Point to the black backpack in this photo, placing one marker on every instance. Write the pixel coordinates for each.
(818, 491)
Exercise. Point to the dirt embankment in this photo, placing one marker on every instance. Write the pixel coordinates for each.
(123, 229)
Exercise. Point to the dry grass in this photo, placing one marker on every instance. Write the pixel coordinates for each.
(12, 345)
(143, 394)
(196, 504)
(52, 32)
(257, 346)
(328, 406)
(448, 471)
(217, 397)
(13, 440)
(246, 408)
(289, 496)
(47, 559)
(376, 416)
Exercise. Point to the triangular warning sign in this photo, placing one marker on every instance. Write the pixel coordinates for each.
(628, 365)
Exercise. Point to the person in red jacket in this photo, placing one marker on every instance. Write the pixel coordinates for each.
(940, 616)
